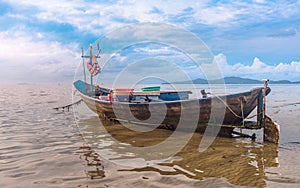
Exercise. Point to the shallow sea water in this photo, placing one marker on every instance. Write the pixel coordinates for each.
(42, 147)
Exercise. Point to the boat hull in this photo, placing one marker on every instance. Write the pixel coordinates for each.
(227, 111)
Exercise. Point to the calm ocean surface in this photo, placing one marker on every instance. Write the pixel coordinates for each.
(42, 147)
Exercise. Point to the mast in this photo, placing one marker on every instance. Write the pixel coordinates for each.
(91, 54)
(83, 65)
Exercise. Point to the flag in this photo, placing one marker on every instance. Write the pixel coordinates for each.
(93, 67)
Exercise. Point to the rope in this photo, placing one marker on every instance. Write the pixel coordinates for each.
(254, 115)
(235, 114)
(68, 106)
(228, 107)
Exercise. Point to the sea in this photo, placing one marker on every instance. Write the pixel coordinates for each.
(71, 147)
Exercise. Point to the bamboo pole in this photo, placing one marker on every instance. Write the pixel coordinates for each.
(91, 55)
(271, 128)
(265, 98)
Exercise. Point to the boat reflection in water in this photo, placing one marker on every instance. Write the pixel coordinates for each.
(240, 161)
(94, 167)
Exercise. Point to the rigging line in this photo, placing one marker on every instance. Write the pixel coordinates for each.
(228, 107)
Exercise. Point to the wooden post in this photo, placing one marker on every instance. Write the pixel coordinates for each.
(271, 128)
(260, 114)
(265, 98)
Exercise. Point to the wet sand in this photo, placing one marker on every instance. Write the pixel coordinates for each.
(41, 147)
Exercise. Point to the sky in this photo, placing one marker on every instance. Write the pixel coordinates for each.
(41, 41)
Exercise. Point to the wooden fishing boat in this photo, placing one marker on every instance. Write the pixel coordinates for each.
(141, 107)
(237, 106)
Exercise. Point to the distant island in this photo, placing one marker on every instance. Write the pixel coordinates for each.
(235, 80)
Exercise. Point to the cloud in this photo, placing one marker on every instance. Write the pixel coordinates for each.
(26, 59)
(259, 1)
(98, 18)
(156, 10)
(260, 70)
(84, 14)
(287, 32)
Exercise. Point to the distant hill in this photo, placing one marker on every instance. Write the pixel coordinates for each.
(236, 80)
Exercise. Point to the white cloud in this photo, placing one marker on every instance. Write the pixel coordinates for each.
(27, 60)
(165, 50)
(111, 15)
(220, 15)
(260, 1)
(260, 70)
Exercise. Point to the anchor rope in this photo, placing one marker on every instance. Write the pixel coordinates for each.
(69, 105)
